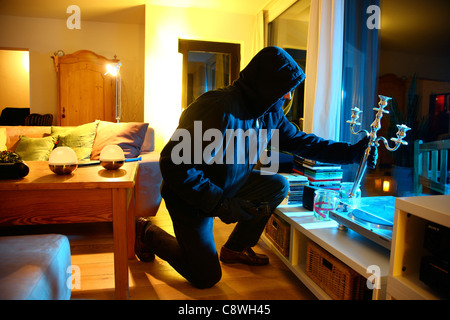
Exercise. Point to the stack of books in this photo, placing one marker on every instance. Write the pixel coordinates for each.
(297, 183)
(319, 174)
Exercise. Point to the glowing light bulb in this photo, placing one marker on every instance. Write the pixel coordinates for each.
(113, 69)
(386, 185)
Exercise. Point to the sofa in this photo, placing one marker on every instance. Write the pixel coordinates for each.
(35, 267)
(38, 266)
(35, 143)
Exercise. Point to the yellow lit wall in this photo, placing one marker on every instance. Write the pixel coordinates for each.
(14, 79)
(151, 65)
(44, 36)
(163, 64)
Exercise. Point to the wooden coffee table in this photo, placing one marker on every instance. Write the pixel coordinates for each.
(90, 194)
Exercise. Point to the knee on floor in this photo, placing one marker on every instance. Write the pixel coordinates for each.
(207, 281)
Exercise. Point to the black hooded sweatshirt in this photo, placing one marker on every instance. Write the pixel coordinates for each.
(194, 165)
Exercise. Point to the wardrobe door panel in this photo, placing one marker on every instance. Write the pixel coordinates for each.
(85, 93)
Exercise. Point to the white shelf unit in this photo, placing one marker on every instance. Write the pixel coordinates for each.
(411, 216)
(354, 250)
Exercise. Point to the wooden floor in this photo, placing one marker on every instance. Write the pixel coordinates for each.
(92, 253)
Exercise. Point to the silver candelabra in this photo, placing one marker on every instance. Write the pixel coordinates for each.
(373, 139)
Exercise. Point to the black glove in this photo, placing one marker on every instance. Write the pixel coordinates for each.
(359, 149)
(231, 210)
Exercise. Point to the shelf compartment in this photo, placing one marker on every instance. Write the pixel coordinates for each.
(411, 218)
(278, 231)
(357, 252)
(335, 277)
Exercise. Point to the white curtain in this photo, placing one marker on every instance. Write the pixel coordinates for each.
(323, 84)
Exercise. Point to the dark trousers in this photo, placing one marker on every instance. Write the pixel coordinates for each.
(192, 253)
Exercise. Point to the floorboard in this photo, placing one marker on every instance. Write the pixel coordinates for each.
(92, 256)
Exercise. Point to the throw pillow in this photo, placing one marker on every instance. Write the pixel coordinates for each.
(3, 139)
(128, 135)
(35, 149)
(80, 139)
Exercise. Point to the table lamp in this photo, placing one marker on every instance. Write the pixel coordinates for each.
(63, 160)
(112, 157)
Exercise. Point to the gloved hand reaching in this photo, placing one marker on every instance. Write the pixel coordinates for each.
(360, 148)
(231, 210)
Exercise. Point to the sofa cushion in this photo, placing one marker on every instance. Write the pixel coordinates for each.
(13, 134)
(128, 135)
(35, 149)
(149, 142)
(34, 267)
(148, 184)
(80, 138)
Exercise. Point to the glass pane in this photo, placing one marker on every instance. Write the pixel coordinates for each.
(414, 70)
(206, 71)
(290, 32)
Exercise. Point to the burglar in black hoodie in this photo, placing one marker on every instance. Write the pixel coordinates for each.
(208, 169)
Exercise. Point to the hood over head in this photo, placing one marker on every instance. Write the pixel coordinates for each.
(270, 75)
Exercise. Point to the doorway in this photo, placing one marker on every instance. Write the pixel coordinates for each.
(207, 66)
(14, 78)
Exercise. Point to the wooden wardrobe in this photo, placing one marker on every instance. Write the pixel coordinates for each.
(84, 92)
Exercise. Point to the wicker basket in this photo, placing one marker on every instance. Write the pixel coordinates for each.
(333, 276)
(278, 231)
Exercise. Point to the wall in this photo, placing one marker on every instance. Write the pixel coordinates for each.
(163, 64)
(149, 55)
(14, 79)
(45, 36)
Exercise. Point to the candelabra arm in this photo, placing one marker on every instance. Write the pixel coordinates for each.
(358, 132)
(386, 144)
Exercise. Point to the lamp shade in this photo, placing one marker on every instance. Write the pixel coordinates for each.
(112, 157)
(112, 152)
(63, 160)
